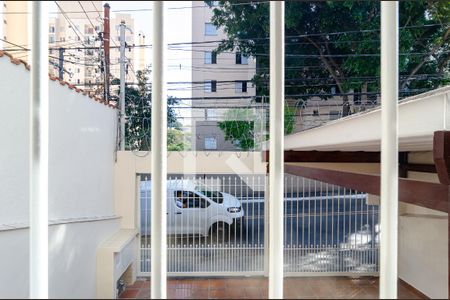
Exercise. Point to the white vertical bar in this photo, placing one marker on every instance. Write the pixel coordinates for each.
(389, 150)
(39, 122)
(159, 157)
(122, 85)
(276, 165)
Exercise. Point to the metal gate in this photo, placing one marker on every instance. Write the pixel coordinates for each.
(217, 226)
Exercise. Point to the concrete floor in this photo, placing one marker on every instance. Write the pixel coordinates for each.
(256, 288)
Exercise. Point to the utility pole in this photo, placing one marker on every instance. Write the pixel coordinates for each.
(61, 63)
(122, 85)
(106, 42)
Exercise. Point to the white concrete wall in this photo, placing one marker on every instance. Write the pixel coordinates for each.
(423, 240)
(81, 192)
(72, 259)
(423, 258)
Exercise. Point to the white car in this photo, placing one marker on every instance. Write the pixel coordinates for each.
(193, 209)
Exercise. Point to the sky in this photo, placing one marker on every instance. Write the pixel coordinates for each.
(177, 29)
(178, 26)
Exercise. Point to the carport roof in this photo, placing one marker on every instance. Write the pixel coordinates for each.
(418, 118)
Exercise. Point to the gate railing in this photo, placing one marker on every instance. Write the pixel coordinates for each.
(328, 230)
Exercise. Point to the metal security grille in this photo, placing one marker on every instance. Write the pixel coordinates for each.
(216, 226)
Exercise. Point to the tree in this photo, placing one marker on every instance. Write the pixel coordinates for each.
(138, 101)
(334, 46)
(176, 140)
(247, 129)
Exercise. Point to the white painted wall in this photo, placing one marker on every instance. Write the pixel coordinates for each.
(72, 259)
(423, 258)
(423, 241)
(81, 179)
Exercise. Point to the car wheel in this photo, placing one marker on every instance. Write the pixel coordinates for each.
(219, 232)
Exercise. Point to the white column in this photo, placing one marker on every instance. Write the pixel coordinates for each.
(389, 150)
(276, 159)
(122, 85)
(39, 151)
(159, 156)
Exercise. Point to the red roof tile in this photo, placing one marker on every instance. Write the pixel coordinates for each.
(54, 78)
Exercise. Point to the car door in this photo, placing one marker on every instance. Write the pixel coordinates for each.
(190, 213)
(171, 212)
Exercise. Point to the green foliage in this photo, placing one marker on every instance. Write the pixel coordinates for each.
(176, 140)
(318, 63)
(247, 130)
(138, 101)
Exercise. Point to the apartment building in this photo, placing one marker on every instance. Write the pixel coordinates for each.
(13, 27)
(221, 82)
(72, 33)
(79, 26)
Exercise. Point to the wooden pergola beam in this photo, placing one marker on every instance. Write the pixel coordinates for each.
(421, 193)
(328, 156)
(441, 155)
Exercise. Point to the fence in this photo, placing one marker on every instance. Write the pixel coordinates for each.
(217, 225)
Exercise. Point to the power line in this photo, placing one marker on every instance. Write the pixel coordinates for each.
(87, 16)
(71, 25)
(138, 9)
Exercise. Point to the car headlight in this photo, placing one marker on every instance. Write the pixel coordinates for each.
(234, 209)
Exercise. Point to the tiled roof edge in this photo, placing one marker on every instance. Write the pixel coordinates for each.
(17, 61)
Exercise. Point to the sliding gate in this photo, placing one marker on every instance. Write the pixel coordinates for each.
(218, 225)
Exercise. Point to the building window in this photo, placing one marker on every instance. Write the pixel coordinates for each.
(210, 29)
(213, 4)
(241, 86)
(52, 29)
(211, 114)
(334, 114)
(241, 59)
(51, 39)
(210, 86)
(89, 30)
(210, 143)
(78, 81)
(210, 57)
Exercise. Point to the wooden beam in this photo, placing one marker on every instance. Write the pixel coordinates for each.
(402, 161)
(425, 194)
(348, 157)
(328, 156)
(441, 155)
(423, 168)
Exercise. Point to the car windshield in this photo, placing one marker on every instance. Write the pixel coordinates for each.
(213, 195)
